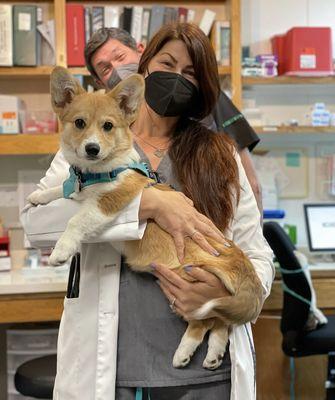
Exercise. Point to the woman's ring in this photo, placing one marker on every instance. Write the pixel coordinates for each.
(173, 308)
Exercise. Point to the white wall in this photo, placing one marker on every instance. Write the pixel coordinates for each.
(262, 19)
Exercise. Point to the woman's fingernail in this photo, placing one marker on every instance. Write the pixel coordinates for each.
(153, 266)
(158, 282)
(188, 267)
(216, 253)
(227, 244)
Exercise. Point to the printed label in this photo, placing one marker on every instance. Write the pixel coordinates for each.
(308, 61)
(24, 22)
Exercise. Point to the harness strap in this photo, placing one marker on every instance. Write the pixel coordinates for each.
(78, 180)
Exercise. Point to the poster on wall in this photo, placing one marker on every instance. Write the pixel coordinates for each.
(294, 164)
(325, 171)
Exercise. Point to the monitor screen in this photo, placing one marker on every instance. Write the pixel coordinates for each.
(320, 225)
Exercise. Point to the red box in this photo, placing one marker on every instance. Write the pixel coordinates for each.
(278, 43)
(308, 52)
(75, 35)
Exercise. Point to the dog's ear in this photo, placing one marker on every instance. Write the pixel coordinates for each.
(129, 95)
(63, 87)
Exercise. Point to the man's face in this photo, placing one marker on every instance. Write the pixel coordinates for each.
(111, 55)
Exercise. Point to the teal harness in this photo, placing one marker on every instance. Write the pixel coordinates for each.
(79, 180)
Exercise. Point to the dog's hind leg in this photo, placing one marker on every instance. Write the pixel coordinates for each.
(192, 338)
(217, 343)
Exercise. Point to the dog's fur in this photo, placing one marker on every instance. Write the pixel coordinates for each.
(102, 201)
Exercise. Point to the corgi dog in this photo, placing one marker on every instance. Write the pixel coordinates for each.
(96, 139)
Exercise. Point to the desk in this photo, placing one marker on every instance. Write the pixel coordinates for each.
(32, 295)
(273, 371)
(27, 299)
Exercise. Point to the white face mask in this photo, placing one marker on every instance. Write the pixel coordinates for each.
(120, 73)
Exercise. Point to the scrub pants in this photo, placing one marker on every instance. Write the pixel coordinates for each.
(209, 391)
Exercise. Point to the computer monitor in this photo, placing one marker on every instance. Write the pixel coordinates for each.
(320, 226)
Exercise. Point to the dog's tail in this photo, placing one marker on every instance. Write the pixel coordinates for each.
(238, 309)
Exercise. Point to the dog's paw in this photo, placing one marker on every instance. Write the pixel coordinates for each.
(213, 361)
(181, 359)
(36, 198)
(61, 254)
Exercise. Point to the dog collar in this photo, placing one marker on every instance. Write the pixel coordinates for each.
(78, 180)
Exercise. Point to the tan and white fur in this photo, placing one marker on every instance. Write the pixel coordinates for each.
(101, 202)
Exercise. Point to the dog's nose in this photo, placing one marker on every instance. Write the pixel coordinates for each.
(92, 149)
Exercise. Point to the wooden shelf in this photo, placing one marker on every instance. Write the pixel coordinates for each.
(25, 144)
(26, 71)
(46, 71)
(295, 129)
(288, 80)
(224, 70)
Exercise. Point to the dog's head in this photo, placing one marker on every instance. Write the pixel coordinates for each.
(96, 134)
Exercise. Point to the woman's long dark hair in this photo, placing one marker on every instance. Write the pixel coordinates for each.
(203, 160)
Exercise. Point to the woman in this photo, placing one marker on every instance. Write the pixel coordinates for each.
(181, 86)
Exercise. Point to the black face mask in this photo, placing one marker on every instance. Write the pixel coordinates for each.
(170, 94)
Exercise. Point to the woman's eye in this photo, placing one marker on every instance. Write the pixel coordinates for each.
(108, 126)
(80, 123)
(167, 63)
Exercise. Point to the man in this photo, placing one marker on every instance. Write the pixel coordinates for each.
(112, 54)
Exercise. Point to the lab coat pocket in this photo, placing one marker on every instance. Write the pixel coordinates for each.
(68, 352)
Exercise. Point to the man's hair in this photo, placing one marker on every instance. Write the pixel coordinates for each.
(100, 37)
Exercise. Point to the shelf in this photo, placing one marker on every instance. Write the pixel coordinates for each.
(294, 129)
(224, 70)
(46, 71)
(25, 144)
(288, 80)
(26, 71)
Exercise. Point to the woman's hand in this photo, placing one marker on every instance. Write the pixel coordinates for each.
(175, 213)
(185, 296)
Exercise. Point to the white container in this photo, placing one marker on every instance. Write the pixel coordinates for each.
(42, 339)
(10, 109)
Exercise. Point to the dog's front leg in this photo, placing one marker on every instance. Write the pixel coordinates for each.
(82, 226)
(44, 196)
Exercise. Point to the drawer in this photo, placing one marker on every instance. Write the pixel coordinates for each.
(32, 339)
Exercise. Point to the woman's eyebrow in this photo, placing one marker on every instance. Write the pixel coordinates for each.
(174, 59)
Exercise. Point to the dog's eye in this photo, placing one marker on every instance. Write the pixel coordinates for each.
(80, 123)
(108, 126)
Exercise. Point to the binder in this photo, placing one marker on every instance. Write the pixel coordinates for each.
(112, 16)
(156, 20)
(145, 25)
(136, 23)
(25, 35)
(182, 14)
(88, 23)
(207, 21)
(127, 17)
(6, 37)
(97, 18)
(75, 35)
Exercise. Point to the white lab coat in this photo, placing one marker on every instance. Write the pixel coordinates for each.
(87, 343)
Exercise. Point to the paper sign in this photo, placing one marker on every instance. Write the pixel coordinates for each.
(293, 159)
(24, 22)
